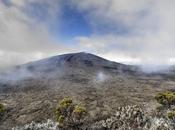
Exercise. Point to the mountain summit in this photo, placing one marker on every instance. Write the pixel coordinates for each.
(81, 59)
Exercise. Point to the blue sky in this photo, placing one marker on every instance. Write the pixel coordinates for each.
(68, 22)
(132, 32)
(73, 23)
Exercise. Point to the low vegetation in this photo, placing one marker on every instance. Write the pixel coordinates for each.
(72, 116)
(49, 125)
(125, 118)
(133, 118)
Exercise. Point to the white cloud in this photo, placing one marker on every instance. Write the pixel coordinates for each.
(20, 3)
(146, 29)
(22, 38)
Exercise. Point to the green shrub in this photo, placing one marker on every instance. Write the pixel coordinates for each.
(69, 115)
(2, 108)
(166, 98)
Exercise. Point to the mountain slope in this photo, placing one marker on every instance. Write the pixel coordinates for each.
(75, 66)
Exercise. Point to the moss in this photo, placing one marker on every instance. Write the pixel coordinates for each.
(2, 108)
(166, 98)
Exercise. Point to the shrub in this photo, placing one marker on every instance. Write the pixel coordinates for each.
(79, 111)
(70, 115)
(49, 125)
(171, 114)
(132, 118)
(2, 108)
(166, 98)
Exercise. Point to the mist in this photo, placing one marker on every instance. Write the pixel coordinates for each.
(12, 75)
(101, 77)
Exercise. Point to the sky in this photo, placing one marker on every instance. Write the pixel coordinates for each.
(127, 31)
